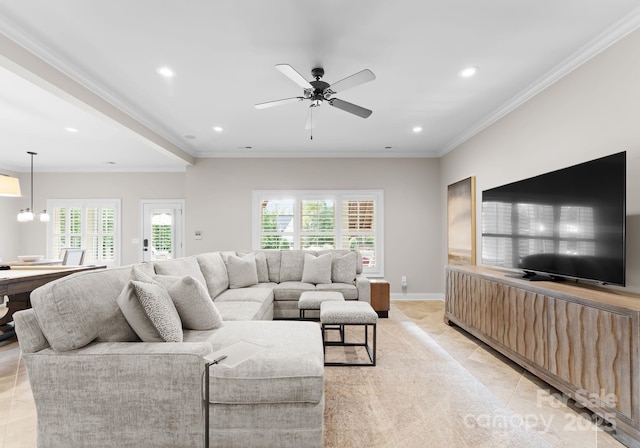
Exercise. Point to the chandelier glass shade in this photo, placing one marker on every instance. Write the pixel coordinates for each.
(27, 215)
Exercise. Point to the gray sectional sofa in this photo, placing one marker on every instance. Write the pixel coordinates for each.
(96, 383)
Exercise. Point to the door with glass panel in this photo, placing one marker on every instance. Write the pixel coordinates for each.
(162, 234)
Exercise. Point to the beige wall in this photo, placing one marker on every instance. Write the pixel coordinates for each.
(218, 194)
(592, 112)
(9, 208)
(219, 197)
(130, 188)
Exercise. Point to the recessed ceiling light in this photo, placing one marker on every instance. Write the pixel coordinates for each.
(218, 129)
(388, 147)
(245, 147)
(71, 129)
(165, 71)
(468, 72)
(417, 129)
(189, 136)
(109, 163)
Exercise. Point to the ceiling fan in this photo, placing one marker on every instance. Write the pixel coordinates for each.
(319, 91)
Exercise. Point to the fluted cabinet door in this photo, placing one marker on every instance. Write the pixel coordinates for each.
(591, 349)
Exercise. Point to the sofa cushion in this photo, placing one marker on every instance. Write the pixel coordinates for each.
(291, 290)
(264, 285)
(82, 307)
(242, 270)
(214, 272)
(180, 267)
(317, 269)
(292, 265)
(160, 308)
(236, 310)
(274, 260)
(192, 301)
(262, 267)
(289, 370)
(253, 294)
(349, 292)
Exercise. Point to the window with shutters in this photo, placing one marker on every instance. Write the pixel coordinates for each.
(90, 224)
(320, 220)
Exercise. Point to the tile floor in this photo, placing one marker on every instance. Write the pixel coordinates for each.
(554, 417)
(540, 406)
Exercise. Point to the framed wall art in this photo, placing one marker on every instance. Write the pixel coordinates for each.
(461, 222)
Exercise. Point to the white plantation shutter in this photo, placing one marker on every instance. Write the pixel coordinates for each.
(359, 228)
(321, 220)
(317, 224)
(90, 224)
(276, 223)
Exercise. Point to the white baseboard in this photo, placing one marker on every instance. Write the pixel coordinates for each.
(417, 296)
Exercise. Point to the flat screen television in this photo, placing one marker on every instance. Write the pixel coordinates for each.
(568, 223)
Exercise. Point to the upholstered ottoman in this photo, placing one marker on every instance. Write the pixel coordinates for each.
(349, 313)
(284, 378)
(311, 300)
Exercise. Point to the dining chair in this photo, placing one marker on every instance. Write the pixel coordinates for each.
(72, 256)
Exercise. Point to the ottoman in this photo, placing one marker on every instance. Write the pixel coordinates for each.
(311, 300)
(349, 313)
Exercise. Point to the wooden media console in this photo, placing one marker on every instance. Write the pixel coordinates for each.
(584, 341)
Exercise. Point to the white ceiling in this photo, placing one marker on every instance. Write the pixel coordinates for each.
(224, 52)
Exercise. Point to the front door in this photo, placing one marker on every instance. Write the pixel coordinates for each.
(162, 234)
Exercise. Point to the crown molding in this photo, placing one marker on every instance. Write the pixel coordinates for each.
(604, 40)
(257, 154)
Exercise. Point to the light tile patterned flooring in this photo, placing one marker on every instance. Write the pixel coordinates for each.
(540, 406)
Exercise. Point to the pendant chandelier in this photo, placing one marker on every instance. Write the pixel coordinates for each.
(28, 215)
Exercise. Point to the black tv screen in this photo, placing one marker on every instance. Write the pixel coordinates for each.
(568, 223)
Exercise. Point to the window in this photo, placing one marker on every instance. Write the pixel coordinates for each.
(90, 224)
(320, 220)
(512, 231)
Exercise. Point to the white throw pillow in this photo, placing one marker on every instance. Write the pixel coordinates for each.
(160, 308)
(242, 271)
(136, 316)
(317, 269)
(343, 268)
(133, 311)
(192, 301)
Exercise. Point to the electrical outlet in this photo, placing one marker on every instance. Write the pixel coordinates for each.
(404, 281)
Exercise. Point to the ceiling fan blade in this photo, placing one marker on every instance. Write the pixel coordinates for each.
(353, 80)
(351, 108)
(278, 102)
(294, 76)
(312, 117)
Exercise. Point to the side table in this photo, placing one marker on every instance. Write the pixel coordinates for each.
(380, 296)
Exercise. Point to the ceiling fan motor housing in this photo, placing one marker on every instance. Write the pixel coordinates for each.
(320, 90)
(317, 73)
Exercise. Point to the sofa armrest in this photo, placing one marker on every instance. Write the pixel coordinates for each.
(364, 288)
(138, 394)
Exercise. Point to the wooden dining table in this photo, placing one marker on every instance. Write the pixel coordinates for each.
(18, 282)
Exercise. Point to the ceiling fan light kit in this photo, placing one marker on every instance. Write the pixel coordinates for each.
(318, 91)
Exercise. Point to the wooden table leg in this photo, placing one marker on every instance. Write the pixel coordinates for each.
(16, 302)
